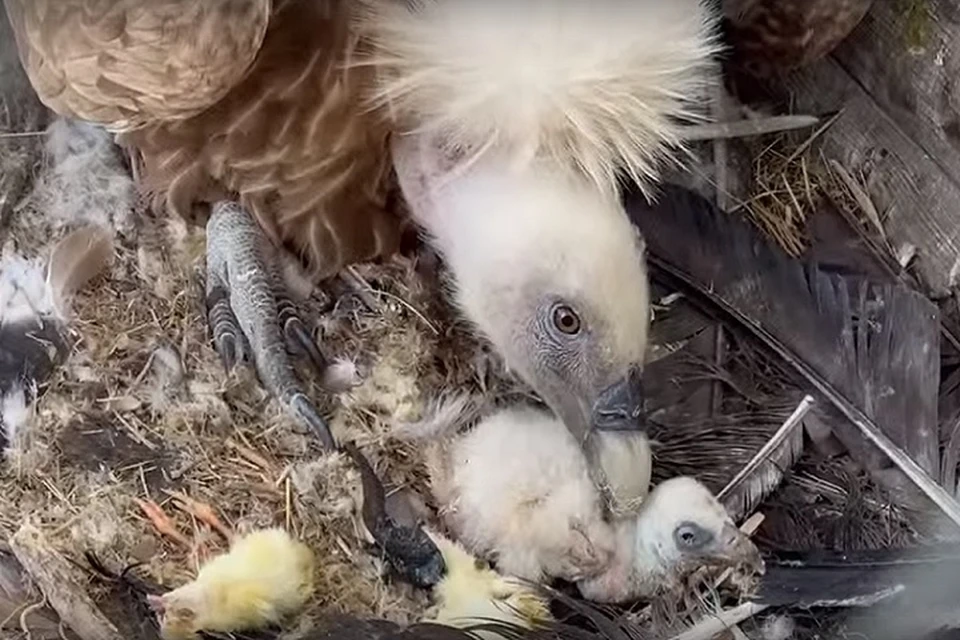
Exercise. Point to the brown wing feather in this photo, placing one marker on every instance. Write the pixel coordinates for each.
(126, 62)
(292, 141)
(780, 35)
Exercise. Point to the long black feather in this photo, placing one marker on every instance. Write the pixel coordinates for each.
(870, 349)
(900, 593)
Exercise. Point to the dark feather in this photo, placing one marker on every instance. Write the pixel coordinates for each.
(409, 549)
(765, 470)
(870, 349)
(29, 354)
(714, 446)
(902, 593)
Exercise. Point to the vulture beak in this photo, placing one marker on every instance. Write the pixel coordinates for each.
(619, 407)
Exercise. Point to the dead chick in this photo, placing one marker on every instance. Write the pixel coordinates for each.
(266, 576)
(472, 593)
(680, 526)
(517, 487)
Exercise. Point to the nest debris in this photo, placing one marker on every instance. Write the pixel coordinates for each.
(142, 410)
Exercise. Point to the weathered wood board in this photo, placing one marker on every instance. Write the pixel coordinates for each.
(918, 202)
(900, 131)
(896, 80)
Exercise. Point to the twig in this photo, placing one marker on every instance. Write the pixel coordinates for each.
(720, 161)
(778, 438)
(410, 308)
(360, 286)
(866, 204)
(749, 527)
(745, 128)
(809, 141)
(719, 352)
(716, 624)
(12, 135)
(36, 606)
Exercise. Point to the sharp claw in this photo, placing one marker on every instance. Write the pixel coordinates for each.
(299, 340)
(227, 348)
(228, 339)
(308, 415)
(409, 549)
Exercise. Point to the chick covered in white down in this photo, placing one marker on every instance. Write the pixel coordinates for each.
(679, 527)
(516, 488)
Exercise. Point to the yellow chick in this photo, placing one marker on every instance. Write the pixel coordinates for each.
(266, 576)
(472, 593)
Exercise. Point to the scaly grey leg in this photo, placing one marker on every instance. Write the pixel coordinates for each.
(251, 316)
(245, 314)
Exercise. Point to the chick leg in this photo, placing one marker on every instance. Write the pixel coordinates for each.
(204, 513)
(162, 522)
(249, 319)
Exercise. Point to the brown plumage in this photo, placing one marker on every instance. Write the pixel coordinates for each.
(271, 116)
(781, 35)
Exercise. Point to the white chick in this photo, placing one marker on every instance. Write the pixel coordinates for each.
(517, 488)
(266, 576)
(471, 593)
(679, 527)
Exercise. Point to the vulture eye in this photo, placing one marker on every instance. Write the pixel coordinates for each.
(566, 320)
(691, 536)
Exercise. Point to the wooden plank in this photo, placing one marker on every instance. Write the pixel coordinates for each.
(919, 203)
(63, 584)
(904, 55)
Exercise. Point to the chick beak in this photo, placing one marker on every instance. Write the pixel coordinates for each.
(739, 550)
(619, 407)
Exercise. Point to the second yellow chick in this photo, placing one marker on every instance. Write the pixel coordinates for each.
(472, 593)
(266, 576)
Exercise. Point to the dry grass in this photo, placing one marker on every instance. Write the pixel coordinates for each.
(142, 409)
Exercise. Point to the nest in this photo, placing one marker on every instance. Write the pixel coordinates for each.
(142, 410)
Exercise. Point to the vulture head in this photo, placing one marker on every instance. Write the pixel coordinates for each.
(680, 526)
(549, 269)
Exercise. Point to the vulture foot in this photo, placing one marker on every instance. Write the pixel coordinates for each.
(252, 317)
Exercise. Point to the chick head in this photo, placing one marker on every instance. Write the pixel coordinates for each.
(550, 270)
(683, 525)
(178, 611)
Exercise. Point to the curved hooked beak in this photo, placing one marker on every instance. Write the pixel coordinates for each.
(619, 407)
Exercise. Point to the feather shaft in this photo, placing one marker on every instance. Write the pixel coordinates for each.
(789, 426)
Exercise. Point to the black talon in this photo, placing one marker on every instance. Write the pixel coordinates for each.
(308, 415)
(301, 342)
(228, 339)
(410, 551)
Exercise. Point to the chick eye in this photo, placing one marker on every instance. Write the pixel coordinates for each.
(691, 536)
(566, 320)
